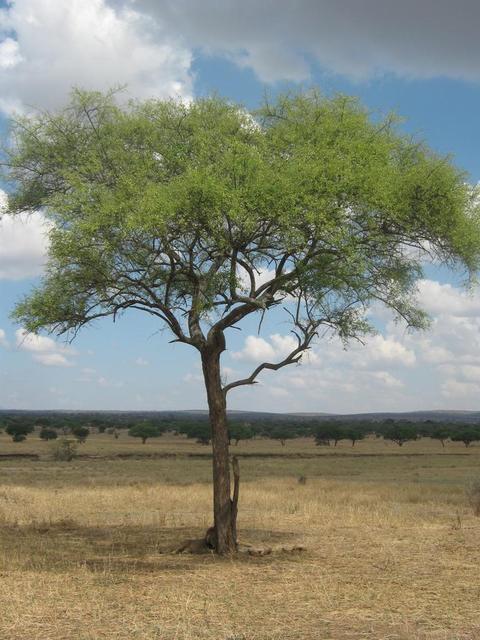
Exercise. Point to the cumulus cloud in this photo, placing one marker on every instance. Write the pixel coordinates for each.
(45, 350)
(50, 45)
(455, 390)
(141, 362)
(394, 370)
(46, 46)
(257, 349)
(388, 349)
(23, 244)
(279, 38)
(445, 299)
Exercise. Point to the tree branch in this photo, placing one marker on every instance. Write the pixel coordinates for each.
(293, 358)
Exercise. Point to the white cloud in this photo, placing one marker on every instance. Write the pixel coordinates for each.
(387, 349)
(64, 43)
(45, 350)
(394, 370)
(277, 392)
(3, 339)
(255, 348)
(141, 362)
(52, 360)
(456, 390)
(258, 349)
(9, 53)
(278, 38)
(445, 299)
(23, 244)
(387, 379)
(227, 373)
(50, 45)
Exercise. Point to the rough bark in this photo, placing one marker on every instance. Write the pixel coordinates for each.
(223, 507)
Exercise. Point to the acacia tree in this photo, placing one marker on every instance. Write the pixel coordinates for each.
(144, 430)
(202, 214)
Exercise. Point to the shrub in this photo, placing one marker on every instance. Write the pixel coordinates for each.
(64, 450)
(19, 430)
(48, 434)
(80, 433)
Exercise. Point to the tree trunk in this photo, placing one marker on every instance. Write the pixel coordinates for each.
(224, 509)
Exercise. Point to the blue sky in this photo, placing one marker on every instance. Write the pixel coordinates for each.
(419, 59)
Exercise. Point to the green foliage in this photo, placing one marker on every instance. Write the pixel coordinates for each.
(466, 434)
(400, 432)
(328, 431)
(81, 433)
(441, 433)
(19, 430)
(282, 432)
(156, 204)
(201, 431)
(144, 430)
(48, 434)
(238, 431)
(354, 433)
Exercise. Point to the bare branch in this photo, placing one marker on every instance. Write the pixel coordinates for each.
(293, 358)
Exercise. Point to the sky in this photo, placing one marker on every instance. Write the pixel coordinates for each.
(420, 58)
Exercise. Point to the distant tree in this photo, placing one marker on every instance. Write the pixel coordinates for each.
(81, 433)
(239, 432)
(144, 430)
(201, 431)
(282, 433)
(19, 430)
(328, 431)
(99, 424)
(400, 433)
(441, 433)
(43, 422)
(467, 435)
(48, 434)
(354, 434)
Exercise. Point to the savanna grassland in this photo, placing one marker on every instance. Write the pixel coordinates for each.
(390, 542)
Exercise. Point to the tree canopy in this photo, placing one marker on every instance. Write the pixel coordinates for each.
(201, 214)
(175, 209)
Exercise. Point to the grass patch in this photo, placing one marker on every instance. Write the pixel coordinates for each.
(392, 545)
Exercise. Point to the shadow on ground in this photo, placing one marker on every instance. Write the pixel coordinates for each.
(117, 549)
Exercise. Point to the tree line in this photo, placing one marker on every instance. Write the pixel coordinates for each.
(323, 432)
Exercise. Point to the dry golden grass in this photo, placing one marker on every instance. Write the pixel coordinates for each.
(391, 548)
